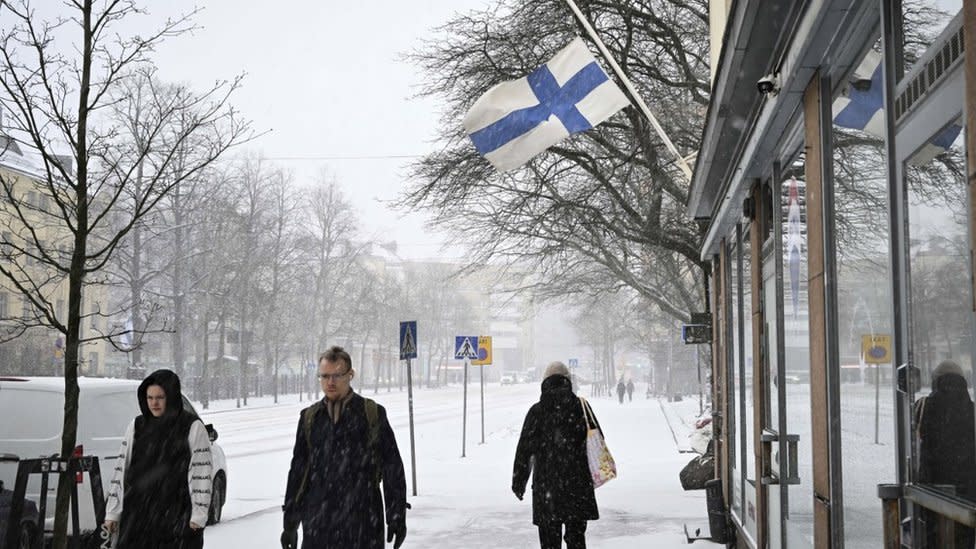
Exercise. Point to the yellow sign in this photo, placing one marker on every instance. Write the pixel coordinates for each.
(876, 349)
(484, 351)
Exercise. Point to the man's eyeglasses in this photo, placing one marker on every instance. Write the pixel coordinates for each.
(332, 377)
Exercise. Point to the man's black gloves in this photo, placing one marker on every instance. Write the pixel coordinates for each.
(396, 530)
(289, 536)
(518, 491)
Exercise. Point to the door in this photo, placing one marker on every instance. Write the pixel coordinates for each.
(786, 417)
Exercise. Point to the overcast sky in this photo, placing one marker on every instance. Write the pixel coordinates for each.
(325, 79)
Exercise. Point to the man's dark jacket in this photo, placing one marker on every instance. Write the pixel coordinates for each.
(341, 505)
(553, 446)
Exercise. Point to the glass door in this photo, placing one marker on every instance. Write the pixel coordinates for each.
(782, 251)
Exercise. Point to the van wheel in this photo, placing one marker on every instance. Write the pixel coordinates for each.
(218, 494)
(26, 535)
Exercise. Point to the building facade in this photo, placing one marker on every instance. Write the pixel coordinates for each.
(833, 179)
(29, 228)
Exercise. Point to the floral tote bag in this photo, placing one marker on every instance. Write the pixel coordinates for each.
(602, 466)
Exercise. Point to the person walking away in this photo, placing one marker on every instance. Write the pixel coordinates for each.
(159, 497)
(946, 445)
(621, 389)
(630, 390)
(552, 448)
(344, 450)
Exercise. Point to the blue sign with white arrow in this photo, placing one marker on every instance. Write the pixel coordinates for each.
(408, 339)
(465, 347)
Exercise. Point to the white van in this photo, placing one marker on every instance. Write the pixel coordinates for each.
(32, 409)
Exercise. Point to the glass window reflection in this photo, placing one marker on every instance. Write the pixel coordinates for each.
(941, 323)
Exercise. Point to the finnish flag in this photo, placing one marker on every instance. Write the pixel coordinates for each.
(516, 120)
(861, 107)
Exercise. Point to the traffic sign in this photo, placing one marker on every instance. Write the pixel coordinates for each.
(465, 347)
(876, 349)
(408, 339)
(484, 351)
(574, 363)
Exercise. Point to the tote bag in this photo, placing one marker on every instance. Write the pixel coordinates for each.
(602, 466)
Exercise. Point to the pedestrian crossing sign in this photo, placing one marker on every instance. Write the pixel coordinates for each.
(408, 339)
(465, 347)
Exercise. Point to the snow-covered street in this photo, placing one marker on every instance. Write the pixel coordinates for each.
(467, 502)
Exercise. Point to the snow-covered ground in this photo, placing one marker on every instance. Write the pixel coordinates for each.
(467, 502)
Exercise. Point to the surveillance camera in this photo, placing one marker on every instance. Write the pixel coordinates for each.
(769, 84)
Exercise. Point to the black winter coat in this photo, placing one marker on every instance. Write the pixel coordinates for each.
(156, 506)
(947, 450)
(553, 448)
(341, 506)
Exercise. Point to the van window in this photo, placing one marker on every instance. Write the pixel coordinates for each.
(107, 415)
(30, 415)
(189, 407)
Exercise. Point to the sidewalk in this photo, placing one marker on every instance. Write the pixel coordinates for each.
(467, 502)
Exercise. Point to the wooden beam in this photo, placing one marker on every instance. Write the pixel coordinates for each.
(817, 321)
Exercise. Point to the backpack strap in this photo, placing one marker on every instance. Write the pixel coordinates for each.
(373, 437)
(308, 421)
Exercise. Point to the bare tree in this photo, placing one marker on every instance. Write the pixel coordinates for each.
(282, 262)
(332, 254)
(55, 102)
(603, 209)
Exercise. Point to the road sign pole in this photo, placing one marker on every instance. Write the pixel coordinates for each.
(413, 449)
(464, 414)
(482, 403)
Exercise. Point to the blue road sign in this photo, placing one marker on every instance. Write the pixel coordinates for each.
(408, 339)
(573, 362)
(465, 347)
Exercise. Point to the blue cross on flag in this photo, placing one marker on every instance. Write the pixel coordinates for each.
(861, 107)
(516, 120)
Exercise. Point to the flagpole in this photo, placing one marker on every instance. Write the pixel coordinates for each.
(682, 163)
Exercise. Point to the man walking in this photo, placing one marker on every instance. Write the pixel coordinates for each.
(344, 450)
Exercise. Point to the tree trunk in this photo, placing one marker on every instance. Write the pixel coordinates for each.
(204, 371)
(222, 349)
(179, 302)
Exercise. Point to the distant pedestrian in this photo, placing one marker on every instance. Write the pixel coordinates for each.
(630, 390)
(552, 447)
(621, 389)
(159, 497)
(344, 450)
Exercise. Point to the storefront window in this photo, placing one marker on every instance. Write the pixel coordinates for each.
(735, 392)
(796, 346)
(863, 331)
(941, 321)
(747, 417)
(923, 21)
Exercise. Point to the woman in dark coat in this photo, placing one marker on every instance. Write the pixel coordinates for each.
(553, 448)
(947, 448)
(160, 494)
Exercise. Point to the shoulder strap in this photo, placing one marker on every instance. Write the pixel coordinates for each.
(586, 413)
(308, 416)
(373, 436)
(919, 412)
